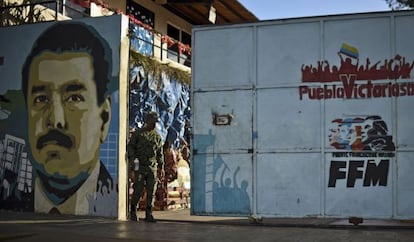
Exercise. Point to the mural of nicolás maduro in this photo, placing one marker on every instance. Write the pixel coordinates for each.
(64, 83)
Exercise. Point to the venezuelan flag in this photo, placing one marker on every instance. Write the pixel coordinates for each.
(349, 51)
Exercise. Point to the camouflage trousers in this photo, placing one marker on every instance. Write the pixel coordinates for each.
(145, 177)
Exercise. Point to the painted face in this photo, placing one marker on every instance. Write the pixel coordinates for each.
(65, 123)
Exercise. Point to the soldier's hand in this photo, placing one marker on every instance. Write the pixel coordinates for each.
(162, 173)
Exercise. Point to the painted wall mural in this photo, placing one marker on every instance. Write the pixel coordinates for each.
(350, 71)
(223, 181)
(59, 123)
(229, 194)
(363, 143)
(364, 151)
(368, 133)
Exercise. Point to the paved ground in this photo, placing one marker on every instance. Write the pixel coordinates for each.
(184, 216)
(179, 226)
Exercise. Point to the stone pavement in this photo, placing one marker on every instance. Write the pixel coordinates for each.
(184, 216)
(180, 226)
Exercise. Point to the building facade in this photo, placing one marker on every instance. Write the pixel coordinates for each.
(151, 67)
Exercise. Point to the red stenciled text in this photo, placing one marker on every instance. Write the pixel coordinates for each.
(350, 89)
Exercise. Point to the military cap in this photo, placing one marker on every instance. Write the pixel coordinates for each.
(152, 117)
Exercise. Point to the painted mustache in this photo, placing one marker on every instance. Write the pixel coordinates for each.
(55, 137)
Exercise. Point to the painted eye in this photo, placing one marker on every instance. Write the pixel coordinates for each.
(41, 99)
(75, 98)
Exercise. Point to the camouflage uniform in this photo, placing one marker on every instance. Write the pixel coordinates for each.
(146, 145)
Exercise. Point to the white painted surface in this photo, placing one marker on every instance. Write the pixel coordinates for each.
(254, 72)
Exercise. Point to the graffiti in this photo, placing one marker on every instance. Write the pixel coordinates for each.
(361, 133)
(368, 170)
(350, 90)
(394, 68)
(228, 195)
(367, 148)
(351, 71)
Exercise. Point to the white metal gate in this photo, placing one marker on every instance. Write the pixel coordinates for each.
(304, 117)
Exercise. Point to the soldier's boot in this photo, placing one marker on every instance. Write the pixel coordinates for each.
(148, 215)
(133, 213)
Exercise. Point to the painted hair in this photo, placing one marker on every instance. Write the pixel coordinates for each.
(69, 36)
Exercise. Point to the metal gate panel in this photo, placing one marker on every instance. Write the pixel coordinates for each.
(227, 117)
(357, 177)
(285, 123)
(222, 152)
(211, 66)
(405, 126)
(405, 122)
(289, 184)
(282, 49)
(223, 184)
(350, 197)
(370, 36)
(405, 188)
(404, 38)
(405, 162)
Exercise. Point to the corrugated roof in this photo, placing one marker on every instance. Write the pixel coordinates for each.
(196, 12)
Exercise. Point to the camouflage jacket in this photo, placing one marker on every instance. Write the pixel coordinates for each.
(147, 147)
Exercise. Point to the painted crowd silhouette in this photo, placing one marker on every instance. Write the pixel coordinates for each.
(391, 69)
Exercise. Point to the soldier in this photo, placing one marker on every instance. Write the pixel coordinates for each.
(146, 150)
